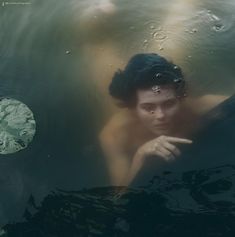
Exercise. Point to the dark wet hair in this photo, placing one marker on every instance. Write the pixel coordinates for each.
(144, 71)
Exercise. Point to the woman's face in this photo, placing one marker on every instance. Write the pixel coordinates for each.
(158, 109)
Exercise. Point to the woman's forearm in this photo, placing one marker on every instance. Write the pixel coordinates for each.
(136, 165)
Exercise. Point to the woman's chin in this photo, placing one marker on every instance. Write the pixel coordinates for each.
(161, 131)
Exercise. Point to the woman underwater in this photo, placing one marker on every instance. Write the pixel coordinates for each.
(157, 116)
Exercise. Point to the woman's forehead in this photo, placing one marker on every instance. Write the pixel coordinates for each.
(151, 95)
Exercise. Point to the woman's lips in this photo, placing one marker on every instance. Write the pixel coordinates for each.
(163, 125)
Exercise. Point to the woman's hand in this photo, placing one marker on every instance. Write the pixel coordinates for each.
(162, 146)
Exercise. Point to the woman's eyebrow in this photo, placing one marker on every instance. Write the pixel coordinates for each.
(171, 99)
(147, 103)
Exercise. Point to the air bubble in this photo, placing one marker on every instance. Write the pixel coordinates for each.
(145, 43)
(177, 80)
(17, 127)
(214, 17)
(159, 36)
(218, 27)
(158, 75)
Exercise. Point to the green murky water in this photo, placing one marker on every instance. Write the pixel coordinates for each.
(58, 56)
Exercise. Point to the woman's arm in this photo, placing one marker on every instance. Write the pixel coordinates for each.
(117, 160)
(162, 147)
(122, 168)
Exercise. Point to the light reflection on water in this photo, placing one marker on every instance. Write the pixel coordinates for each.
(58, 57)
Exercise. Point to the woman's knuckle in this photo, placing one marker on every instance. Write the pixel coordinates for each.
(175, 148)
(155, 145)
(168, 153)
(162, 137)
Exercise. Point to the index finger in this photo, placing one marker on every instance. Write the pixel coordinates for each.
(179, 140)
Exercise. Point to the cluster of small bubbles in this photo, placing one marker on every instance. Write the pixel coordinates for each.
(156, 89)
(218, 26)
(158, 35)
(208, 15)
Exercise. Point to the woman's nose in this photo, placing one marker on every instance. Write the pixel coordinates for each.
(159, 113)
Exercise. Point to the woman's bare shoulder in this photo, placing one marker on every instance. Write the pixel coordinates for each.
(117, 127)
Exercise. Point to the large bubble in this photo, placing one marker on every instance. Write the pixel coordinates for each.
(17, 126)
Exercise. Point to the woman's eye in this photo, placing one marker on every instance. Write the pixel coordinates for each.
(148, 107)
(170, 103)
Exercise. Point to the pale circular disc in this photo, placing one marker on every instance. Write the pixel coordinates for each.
(17, 126)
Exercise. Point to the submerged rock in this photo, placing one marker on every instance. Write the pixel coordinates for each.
(192, 203)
